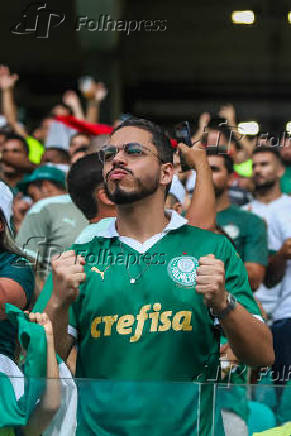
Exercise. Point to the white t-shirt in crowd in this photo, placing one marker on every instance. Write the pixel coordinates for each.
(280, 230)
(269, 211)
(178, 189)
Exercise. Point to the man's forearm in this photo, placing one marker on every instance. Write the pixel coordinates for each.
(256, 273)
(93, 111)
(59, 315)
(249, 338)
(201, 212)
(275, 270)
(9, 106)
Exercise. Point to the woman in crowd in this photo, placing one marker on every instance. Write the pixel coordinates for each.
(16, 288)
(16, 282)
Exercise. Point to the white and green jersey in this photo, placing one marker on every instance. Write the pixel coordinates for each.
(138, 318)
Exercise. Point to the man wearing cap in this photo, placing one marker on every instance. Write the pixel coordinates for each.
(53, 222)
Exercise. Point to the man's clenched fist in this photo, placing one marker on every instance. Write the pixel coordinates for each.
(68, 273)
(210, 281)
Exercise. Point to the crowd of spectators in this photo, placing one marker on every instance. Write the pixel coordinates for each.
(53, 195)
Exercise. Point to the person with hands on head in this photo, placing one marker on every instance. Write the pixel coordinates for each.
(141, 314)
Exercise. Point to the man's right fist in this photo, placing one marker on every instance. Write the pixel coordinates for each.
(68, 273)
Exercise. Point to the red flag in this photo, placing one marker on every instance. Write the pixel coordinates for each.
(84, 126)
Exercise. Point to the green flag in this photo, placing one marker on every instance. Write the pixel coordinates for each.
(32, 338)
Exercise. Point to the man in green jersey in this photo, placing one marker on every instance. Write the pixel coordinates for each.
(247, 230)
(138, 299)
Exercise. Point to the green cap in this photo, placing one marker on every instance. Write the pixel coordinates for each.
(42, 173)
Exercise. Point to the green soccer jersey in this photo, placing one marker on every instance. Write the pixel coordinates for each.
(138, 318)
(248, 232)
(14, 267)
(140, 326)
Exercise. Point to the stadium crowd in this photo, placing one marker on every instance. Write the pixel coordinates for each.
(117, 265)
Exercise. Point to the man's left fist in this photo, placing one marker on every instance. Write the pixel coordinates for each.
(210, 281)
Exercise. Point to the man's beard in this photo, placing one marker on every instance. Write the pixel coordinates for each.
(265, 186)
(286, 162)
(120, 196)
(218, 191)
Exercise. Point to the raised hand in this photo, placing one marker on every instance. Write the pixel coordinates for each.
(203, 121)
(68, 274)
(210, 282)
(228, 113)
(194, 155)
(43, 320)
(100, 91)
(7, 80)
(71, 99)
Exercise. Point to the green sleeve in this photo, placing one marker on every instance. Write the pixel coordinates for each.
(44, 297)
(256, 245)
(19, 270)
(236, 278)
(47, 290)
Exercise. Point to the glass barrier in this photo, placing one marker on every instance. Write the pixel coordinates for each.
(69, 406)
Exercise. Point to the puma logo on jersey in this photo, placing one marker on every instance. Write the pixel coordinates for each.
(149, 318)
(97, 270)
(69, 221)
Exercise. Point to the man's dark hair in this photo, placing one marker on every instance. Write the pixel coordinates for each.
(15, 137)
(228, 160)
(159, 137)
(63, 154)
(268, 149)
(80, 134)
(6, 240)
(6, 130)
(39, 184)
(84, 177)
(66, 106)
